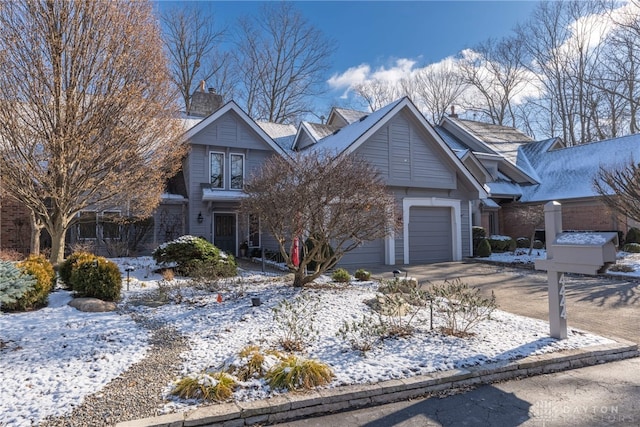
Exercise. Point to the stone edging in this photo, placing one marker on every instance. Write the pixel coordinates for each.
(292, 406)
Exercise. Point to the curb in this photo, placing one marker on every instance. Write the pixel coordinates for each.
(292, 406)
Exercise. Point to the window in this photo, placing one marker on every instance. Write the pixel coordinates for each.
(110, 226)
(87, 222)
(217, 170)
(237, 171)
(254, 231)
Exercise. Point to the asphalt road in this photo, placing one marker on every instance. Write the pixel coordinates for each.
(601, 395)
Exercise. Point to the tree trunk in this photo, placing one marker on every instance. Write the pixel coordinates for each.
(36, 232)
(58, 235)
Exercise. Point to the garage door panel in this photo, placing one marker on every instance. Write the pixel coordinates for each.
(430, 235)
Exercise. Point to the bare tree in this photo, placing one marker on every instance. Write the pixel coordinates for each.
(559, 41)
(86, 114)
(377, 93)
(494, 69)
(435, 89)
(337, 201)
(191, 40)
(282, 60)
(620, 188)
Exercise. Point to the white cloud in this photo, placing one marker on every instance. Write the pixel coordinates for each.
(350, 78)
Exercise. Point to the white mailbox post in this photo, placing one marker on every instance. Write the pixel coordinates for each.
(582, 253)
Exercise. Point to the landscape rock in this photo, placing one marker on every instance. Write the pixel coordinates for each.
(92, 305)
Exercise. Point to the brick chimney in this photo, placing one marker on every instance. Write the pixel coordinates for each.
(453, 112)
(204, 102)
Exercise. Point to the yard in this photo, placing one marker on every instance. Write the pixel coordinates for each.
(53, 358)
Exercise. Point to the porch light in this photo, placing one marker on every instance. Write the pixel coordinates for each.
(200, 218)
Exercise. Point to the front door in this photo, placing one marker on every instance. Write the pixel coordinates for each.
(224, 232)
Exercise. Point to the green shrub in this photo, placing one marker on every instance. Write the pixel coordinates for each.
(502, 243)
(324, 253)
(537, 244)
(295, 373)
(622, 268)
(631, 247)
(38, 267)
(484, 249)
(362, 275)
(66, 267)
(478, 232)
(215, 386)
(523, 242)
(195, 255)
(633, 235)
(341, 275)
(14, 283)
(96, 278)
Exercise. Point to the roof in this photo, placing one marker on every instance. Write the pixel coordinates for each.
(283, 135)
(568, 173)
(349, 116)
(232, 106)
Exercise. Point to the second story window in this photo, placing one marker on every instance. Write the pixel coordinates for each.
(237, 171)
(217, 170)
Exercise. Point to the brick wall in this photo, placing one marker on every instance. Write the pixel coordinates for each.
(583, 215)
(15, 229)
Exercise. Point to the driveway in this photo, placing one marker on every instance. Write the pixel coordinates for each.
(598, 395)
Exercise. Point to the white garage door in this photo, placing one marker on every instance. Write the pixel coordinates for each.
(430, 235)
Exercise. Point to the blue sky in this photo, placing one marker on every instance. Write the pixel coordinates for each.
(378, 33)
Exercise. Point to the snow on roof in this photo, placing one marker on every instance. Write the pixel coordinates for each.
(500, 139)
(342, 138)
(282, 134)
(350, 116)
(584, 239)
(209, 194)
(449, 139)
(502, 188)
(319, 131)
(568, 173)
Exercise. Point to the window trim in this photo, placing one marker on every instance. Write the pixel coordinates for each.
(95, 225)
(102, 215)
(231, 155)
(222, 174)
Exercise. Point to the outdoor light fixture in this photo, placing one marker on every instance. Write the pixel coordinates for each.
(200, 218)
(396, 272)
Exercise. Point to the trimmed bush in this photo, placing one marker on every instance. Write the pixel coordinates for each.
(523, 242)
(341, 275)
(195, 256)
(14, 284)
(484, 249)
(537, 244)
(66, 267)
(502, 243)
(633, 235)
(632, 247)
(38, 267)
(296, 373)
(362, 275)
(478, 232)
(96, 278)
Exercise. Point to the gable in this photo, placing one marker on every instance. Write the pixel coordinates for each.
(406, 155)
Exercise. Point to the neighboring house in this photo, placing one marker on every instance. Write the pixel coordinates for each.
(521, 173)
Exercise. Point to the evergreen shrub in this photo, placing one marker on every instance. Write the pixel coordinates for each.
(38, 267)
(341, 275)
(484, 249)
(66, 267)
(523, 242)
(362, 275)
(194, 255)
(502, 243)
(96, 278)
(14, 284)
(631, 247)
(633, 235)
(323, 254)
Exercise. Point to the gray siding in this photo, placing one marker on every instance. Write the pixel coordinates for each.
(367, 254)
(304, 141)
(407, 155)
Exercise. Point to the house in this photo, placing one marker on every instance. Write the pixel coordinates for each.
(521, 173)
(434, 190)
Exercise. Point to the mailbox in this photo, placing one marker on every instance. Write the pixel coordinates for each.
(581, 252)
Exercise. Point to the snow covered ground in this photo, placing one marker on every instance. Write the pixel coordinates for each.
(50, 359)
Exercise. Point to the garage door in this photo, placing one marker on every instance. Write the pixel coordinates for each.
(430, 235)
